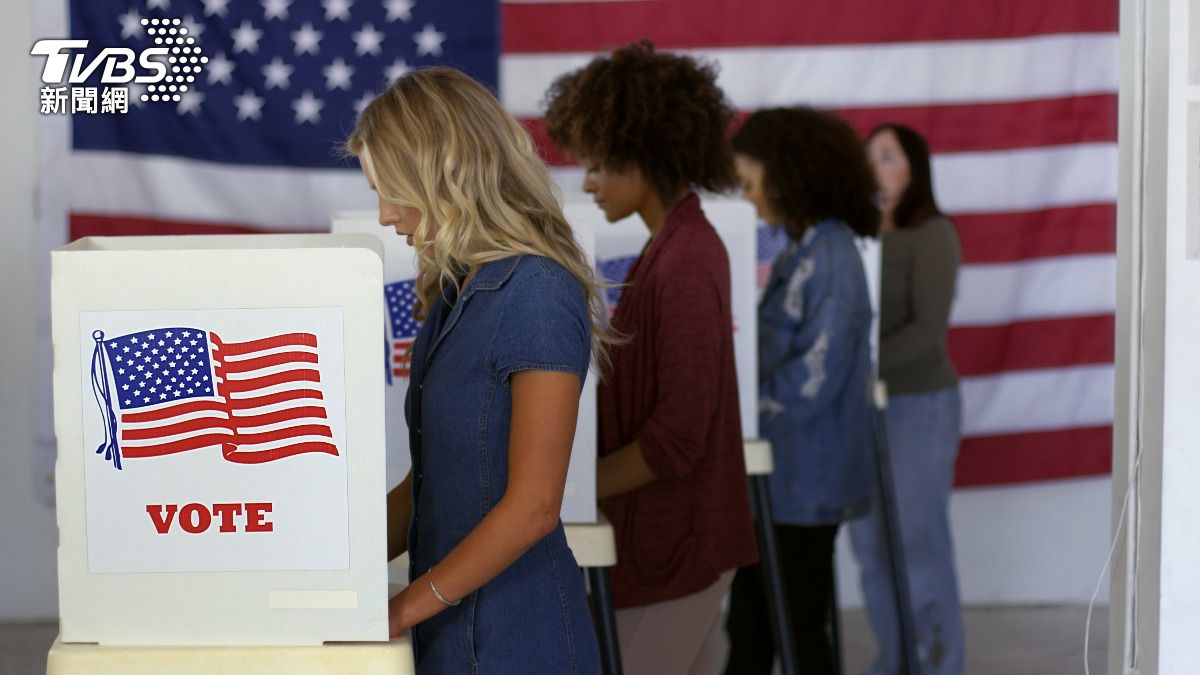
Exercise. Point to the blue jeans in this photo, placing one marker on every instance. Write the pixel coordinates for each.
(923, 433)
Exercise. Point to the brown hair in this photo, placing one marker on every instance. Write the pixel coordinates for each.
(661, 112)
(814, 168)
(917, 203)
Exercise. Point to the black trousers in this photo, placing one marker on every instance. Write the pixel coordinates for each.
(806, 556)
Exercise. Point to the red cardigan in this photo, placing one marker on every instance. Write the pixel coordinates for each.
(674, 389)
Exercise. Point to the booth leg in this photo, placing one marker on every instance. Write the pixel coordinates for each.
(606, 621)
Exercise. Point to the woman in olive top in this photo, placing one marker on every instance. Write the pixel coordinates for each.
(920, 263)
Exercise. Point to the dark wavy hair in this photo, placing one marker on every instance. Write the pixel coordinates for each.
(661, 112)
(814, 168)
(917, 203)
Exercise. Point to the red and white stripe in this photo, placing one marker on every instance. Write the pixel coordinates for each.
(273, 390)
(402, 357)
(1016, 97)
(268, 405)
(173, 427)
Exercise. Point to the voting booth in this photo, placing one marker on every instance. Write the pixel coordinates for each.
(399, 274)
(219, 417)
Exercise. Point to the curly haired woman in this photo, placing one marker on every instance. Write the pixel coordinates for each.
(650, 128)
(805, 171)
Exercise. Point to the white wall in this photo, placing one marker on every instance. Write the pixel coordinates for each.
(28, 533)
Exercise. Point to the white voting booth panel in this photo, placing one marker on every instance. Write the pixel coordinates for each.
(579, 500)
(619, 244)
(219, 415)
(871, 251)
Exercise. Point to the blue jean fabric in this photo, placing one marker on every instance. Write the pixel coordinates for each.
(814, 374)
(923, 433)
(519, 313)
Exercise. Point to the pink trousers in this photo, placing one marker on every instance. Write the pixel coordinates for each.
(677, 637)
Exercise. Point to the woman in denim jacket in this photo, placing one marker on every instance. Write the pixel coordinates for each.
(511, 316)
(805, 172)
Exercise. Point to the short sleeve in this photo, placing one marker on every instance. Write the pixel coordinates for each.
(545, 325)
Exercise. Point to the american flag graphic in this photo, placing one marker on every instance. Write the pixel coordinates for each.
(615, 271)
(769, 243)
(401, 298)
(178, 389)
(1016, 97)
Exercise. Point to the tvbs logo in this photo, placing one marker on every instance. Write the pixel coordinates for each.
(118, 63)
(164, 71)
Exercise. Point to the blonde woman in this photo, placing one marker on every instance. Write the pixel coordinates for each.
(511, 318)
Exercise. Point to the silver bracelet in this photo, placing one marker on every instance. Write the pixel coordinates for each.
(440, 598)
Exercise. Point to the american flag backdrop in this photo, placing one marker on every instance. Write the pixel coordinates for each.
(179, 389)
(1016, 97)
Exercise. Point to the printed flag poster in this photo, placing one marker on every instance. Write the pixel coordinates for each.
(401, 299)
(215, 440)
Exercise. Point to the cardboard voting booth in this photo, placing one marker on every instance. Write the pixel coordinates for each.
(400, 271)
(618, 246)
(219, 417)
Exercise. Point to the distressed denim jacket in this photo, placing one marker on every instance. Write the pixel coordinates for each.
(815, 376)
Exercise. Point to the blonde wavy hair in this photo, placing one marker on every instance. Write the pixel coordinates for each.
(439, 142)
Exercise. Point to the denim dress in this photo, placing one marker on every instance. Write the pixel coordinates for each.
(519, 313)
(815, 379)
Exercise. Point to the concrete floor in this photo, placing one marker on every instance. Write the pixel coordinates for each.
(1006, 641)
(1000, 641)
(23, 647)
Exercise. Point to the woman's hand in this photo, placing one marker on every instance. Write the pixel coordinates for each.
(622, 471)
(417, 603)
